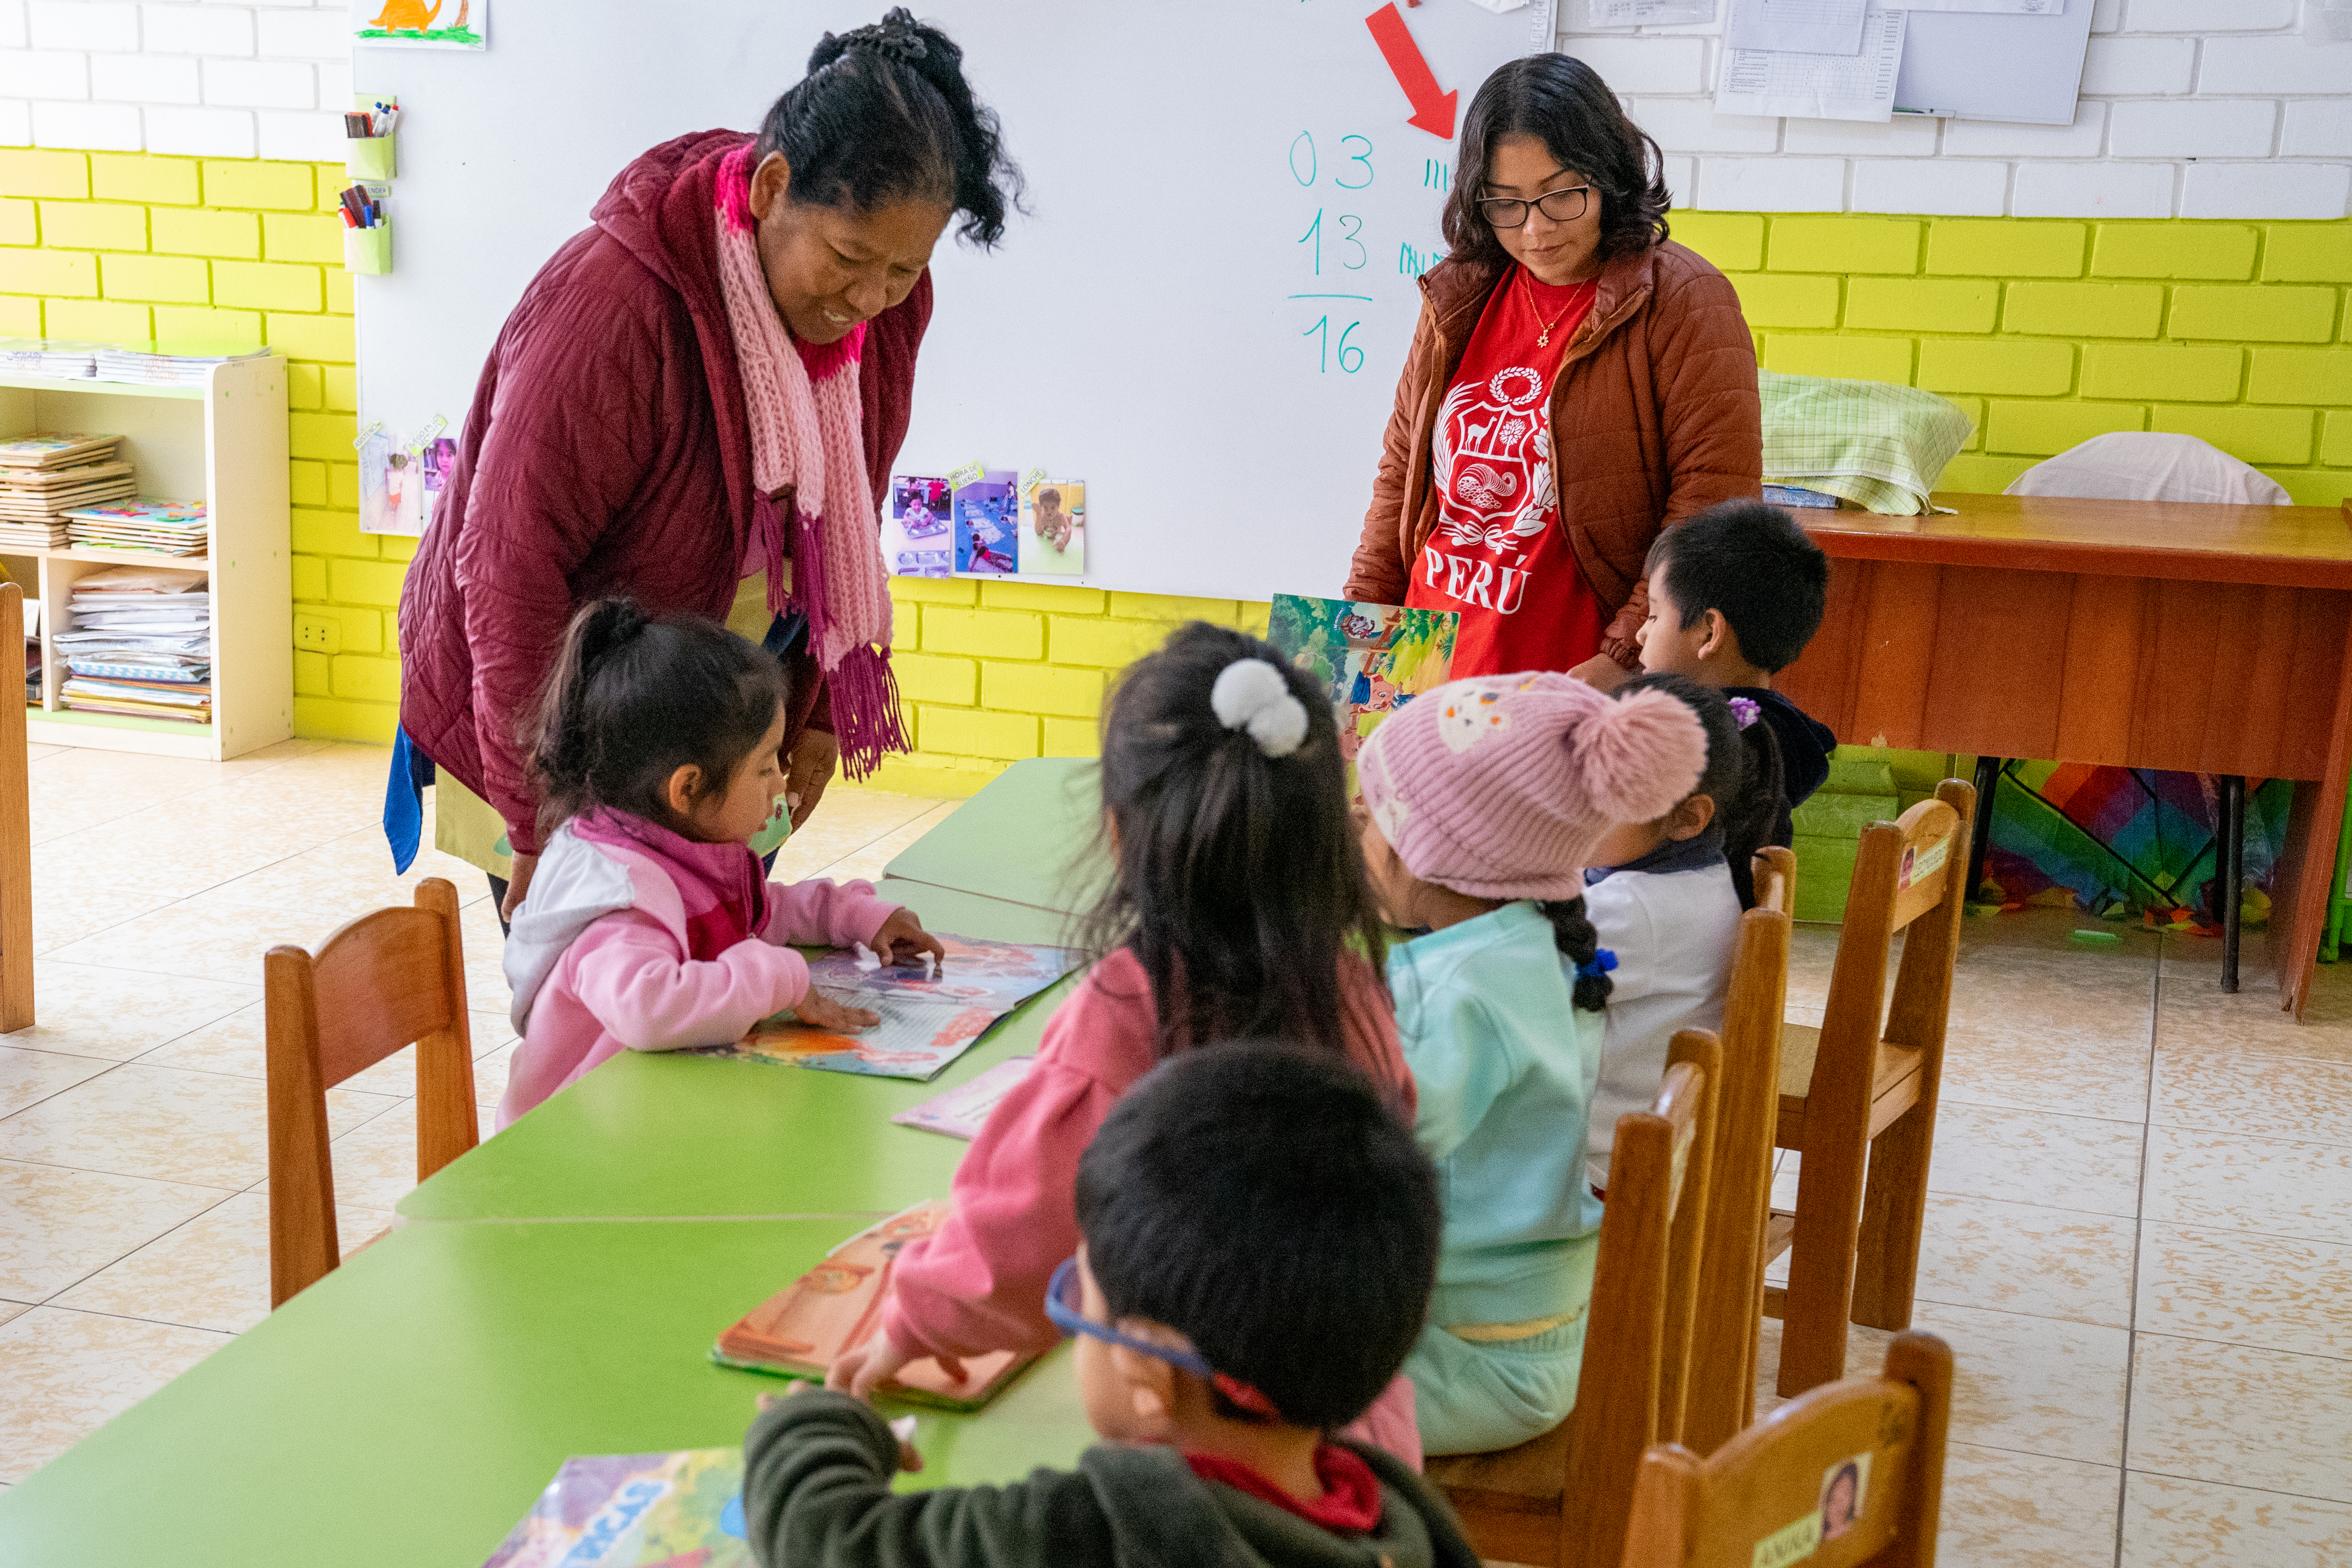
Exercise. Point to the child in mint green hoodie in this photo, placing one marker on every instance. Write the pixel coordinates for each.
(1482, 802)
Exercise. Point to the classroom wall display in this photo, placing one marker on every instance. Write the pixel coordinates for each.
(916, 538)
(1053, 528)
(414, 24)
(1218, 273)
(986, 518)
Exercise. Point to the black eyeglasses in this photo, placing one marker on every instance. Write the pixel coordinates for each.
(1562, 207)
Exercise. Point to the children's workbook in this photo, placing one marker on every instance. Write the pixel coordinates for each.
(917, 538)
(928, 1020)
(635, 1511)
(1372, 659)
(837, 1305)
(960, 1112)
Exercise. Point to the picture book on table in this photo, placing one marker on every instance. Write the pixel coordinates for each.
(915, 533)
(1372, 659)
(962, 1111)
(836, 1306)
(987, 519)
(927, 1019)
(635, 1511)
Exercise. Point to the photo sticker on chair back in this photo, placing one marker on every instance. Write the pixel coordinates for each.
(1918, 864)
(1843, 1496)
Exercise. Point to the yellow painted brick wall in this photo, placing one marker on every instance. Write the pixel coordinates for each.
(128, 247)
(2049, 332)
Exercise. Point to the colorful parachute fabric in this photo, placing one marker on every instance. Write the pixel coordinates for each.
(2125, 841)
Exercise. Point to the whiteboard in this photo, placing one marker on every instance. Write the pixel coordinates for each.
(1203, 317)
(1990, 65)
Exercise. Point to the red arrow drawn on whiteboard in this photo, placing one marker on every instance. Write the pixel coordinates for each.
(1432, 110)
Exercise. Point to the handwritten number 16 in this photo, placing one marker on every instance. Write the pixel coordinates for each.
(1325, 352)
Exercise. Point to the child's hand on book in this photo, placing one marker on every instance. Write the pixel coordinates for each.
(903, 940)
(861, 1369)
(820, 1011)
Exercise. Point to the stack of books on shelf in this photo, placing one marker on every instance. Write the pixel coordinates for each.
(165, 528)
(50, 356)
(168, 363)
(44, 476)
(140, 644)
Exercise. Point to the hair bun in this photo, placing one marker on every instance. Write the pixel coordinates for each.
(1252, 694)
(1640, 755)
(608, 625)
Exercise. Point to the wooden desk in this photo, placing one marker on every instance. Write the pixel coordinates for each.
(2206, 639)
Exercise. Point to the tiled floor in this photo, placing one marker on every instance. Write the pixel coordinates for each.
(133, 1225)
(2139, 1243)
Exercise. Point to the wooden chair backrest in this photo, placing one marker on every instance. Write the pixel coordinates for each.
(1650, 1230)
(1722, 1390)
(1757, 1501)
(16, 822)
(388, 979)
(1910, 873)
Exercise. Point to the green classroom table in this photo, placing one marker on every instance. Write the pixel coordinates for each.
(650, 1136)
(407, 1409)
(991, 845)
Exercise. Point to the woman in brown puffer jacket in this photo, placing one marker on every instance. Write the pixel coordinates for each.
(1577, 383)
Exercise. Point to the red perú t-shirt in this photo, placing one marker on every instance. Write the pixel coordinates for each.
(1498, 554)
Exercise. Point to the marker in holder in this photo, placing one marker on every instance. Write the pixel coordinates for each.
(367, 231)
(371, 140)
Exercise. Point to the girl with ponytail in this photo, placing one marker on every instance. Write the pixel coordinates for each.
(1237, 910)
(1485, 801)
(651, 924)
(715, 438)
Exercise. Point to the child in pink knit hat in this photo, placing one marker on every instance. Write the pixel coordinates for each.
(1484, 802)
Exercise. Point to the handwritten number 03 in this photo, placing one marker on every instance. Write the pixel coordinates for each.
(1350, 357)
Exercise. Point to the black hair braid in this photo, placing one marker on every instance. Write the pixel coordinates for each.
(885, 113)
(1579, 943)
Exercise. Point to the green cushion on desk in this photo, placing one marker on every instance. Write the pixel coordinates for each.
(655, 1135)
(1030, 837)
(409, 1407)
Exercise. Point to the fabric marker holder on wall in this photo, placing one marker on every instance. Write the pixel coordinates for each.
(367, 229)
(370, 138)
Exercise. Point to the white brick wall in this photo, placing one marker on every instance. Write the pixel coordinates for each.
(2189, 109)
(232, 80)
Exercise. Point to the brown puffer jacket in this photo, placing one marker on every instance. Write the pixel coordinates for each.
(1654, 416)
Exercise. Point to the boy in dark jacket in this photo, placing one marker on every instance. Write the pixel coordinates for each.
(1261, 1238)
(1735, 595)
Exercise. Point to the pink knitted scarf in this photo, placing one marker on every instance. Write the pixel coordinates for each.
(807, 437)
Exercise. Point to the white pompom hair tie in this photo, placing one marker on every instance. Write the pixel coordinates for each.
(1251, 694)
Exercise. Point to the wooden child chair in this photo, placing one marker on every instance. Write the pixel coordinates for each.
(1861, 1091)
(385, 980)
(1779, 1492)
(16, 822)
(1561, 1500)
(1722, 1392)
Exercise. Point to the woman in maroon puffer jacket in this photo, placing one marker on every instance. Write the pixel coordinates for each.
(616, 444)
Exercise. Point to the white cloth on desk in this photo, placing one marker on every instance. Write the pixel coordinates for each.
(2143, 466)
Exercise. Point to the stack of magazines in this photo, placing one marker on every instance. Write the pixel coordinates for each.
(50, 356)
(166, 528)
(166, 363)
(140, 644)
(44, 476)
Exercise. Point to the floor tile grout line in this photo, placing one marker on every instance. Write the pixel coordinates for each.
(51, 1300)
(2131, 1471)
(2239, 1345)
(8, 1159)
(2139, 1224)
(226, 1334)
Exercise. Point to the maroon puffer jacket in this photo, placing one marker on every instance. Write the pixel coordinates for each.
(606, 452)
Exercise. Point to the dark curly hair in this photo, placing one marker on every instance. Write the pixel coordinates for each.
(1563, 103)
(885, 114)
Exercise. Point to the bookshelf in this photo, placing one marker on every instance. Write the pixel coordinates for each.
(225, 441)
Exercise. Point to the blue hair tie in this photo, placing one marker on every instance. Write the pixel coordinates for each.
(1603, 960)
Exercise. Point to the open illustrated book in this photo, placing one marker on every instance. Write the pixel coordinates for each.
(927, 1021)
(635, 1511)
(837, 1305)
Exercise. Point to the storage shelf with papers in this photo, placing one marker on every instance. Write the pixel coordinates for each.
(225, 441)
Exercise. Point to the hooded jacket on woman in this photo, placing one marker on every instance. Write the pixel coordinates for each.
(607, 451)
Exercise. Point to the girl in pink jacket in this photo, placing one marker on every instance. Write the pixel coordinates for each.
(650, 925)
(1238, 911)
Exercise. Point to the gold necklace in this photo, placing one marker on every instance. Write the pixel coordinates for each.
(1543, 338)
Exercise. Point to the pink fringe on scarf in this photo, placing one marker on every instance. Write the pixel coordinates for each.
(806, 422)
